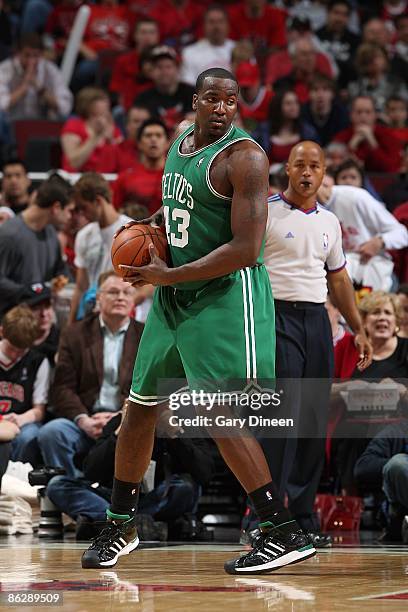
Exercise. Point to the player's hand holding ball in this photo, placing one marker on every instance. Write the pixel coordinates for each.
(140, 254)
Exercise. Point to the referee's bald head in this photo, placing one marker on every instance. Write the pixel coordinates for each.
(305, 169)
(306, 146)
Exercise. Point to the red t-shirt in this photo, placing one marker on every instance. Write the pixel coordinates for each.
(109, 27)
(400, 133)
(127, 155)
(140, 185)
(384, 158)
(258, 110)
(104, 156)
(345, 357)
(60, 22)
(178, 26)
(265, 32)
(126, 79)
(278, 153)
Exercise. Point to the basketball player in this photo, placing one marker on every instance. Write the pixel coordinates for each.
(212, 320)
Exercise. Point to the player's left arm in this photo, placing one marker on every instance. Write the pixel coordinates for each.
(342, 295)
(247, 172)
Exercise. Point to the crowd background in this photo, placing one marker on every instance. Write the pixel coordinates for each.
(330, 71)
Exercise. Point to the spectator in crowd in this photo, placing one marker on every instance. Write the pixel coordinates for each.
(93, 374)
(350, 172)
(128, 79)
(168, 99)
(285, 126)
(371, 142)
(214, 49)
(335, 154)
(89, 140)
(7, 30)
(338, 40)
(400, 257)
(368, 229)
(254, 101)
(182, 465)
(38, 299)
(34, 15)
(108, 29)
(5, 214)
(58, 27)
(396, 193)
(30, 252)
(142, 183)
(324, 114)
(396, 117)
(8, 431)
(264, 25)
(402, 294)
(379, 311)
(375, 31)
(373, 77)
(24, 381)
(15, 185)
(384, 464)
(304, 60)
(242, 52)
(32, 87)
(127, 151)
(392, 9)
(313, 10)
(93, 197)
(179, 21)
(279, 64)
(400, 60)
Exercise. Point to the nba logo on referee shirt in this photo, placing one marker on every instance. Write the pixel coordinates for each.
(325, 241)
(269, 495)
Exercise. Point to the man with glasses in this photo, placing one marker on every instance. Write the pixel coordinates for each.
(93, 374)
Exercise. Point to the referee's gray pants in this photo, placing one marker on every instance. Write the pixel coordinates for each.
(304, 353)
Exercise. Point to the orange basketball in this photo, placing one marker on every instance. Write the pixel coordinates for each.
(131, 247)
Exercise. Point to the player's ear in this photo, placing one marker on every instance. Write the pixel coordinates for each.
(194, 104)
(287, 169)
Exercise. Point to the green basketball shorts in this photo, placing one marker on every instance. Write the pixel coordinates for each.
(219, 338)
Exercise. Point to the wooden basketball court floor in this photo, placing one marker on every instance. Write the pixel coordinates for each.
(189, 578)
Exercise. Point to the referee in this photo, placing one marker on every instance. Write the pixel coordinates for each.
(304, 258)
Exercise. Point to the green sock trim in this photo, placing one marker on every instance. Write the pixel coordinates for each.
(270, 524)
(112, 515)
(308, 547)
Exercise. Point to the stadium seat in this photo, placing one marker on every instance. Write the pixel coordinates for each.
(30, 129)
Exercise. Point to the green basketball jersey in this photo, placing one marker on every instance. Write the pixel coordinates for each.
(198, 219)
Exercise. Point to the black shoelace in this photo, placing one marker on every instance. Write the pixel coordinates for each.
(106, 536)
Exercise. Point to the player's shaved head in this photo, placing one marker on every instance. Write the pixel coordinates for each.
(305, 147)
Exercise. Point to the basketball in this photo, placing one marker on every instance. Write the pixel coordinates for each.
(131, 247)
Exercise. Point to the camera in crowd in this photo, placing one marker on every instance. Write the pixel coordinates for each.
(50, 525)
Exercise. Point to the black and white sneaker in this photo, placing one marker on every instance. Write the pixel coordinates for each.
(116, 539)
(272, 550)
